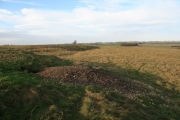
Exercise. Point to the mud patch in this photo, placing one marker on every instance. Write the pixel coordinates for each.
(89, 76)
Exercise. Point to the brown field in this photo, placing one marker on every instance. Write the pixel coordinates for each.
(108, 82)
(161, 61)
(158, 59)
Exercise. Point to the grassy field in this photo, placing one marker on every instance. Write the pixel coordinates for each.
(25, 95)
(162, 62)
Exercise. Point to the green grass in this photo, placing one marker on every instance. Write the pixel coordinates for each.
(24, 95)
(101, 104)
(30, 62)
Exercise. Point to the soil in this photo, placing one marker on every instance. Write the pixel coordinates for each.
(89, 76)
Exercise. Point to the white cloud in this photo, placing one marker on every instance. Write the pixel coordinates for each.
(21, 2)
(3, 11)
(95, 20)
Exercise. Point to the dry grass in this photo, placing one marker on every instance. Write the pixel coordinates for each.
(96, 105)
(163, 62)
(159, 60)
(23, 94)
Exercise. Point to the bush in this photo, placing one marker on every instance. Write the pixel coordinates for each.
(129, 44)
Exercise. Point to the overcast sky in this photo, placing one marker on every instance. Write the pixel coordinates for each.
(63, 21)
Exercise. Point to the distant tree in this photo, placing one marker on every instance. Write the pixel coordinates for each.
(75, 42)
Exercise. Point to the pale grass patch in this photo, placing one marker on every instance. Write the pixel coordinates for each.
(97, 96)
(84, 109)
(97, 106)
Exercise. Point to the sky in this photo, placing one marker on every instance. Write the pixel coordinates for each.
(63, 21)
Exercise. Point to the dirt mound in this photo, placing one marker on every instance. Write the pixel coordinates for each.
(89, 76)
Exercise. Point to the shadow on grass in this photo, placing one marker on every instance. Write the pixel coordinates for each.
(101, 104)
(23, 95)
(148, 78)
(125, 73)
(33, 63)
(36, 63)
(159, 106)
(26, 96)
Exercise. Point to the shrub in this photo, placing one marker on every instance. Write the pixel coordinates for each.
(129, 44)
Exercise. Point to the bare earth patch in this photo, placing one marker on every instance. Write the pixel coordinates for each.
(89, 76)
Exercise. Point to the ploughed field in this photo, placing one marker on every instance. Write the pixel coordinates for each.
(89, 82)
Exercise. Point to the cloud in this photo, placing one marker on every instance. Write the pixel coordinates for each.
(98, 20)
(3, 11)
(21, 2)
(22, 38)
